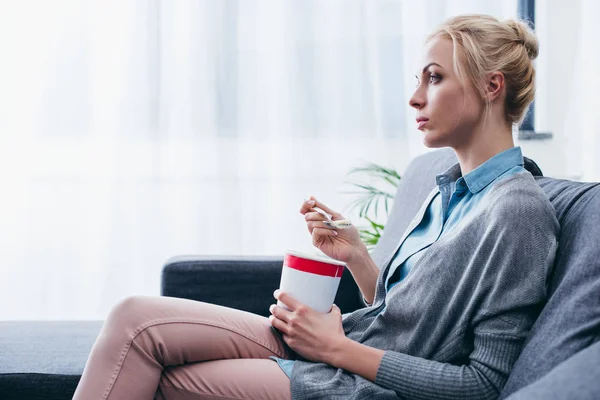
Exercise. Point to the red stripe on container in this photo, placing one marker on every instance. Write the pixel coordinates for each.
(313, 266)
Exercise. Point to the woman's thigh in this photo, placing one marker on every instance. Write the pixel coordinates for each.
(144, 334)
(177, 330)
(225, 379)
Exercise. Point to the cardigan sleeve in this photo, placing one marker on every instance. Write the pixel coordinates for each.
(513, 289)
(482, 378)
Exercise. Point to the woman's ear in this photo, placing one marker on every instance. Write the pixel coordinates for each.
(494, 85)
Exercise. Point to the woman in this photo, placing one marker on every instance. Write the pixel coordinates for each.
(449, 310)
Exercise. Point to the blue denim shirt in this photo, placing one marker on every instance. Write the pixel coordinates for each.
(453, 200)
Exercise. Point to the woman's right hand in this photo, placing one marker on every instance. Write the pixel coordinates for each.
(339, 244)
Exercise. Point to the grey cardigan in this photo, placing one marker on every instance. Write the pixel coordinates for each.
(453, 328)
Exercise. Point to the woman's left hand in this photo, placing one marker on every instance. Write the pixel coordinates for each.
(314, 335)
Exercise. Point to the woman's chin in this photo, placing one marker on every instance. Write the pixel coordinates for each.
(431, 140)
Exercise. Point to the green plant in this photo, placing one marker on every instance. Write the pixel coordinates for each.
(379, 189)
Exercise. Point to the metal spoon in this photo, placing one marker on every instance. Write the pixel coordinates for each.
(339, 224)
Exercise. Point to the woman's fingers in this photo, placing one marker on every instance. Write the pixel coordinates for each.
(316, 221)
(319, 232)
(307, 205)
(278, 324)
(314, 216)
(288, 300)
(310, 204)
(321, 228)
(280, 313)
(334, 214)
(323, 213)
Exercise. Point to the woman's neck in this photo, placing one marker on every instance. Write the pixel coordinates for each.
(484, 145)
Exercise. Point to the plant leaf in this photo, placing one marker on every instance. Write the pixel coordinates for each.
(370, 197)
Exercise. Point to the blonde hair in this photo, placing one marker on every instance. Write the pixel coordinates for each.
(485, 44)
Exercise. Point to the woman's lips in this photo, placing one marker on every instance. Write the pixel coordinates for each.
(421, 121)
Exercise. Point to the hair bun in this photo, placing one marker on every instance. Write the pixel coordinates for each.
(526, 37)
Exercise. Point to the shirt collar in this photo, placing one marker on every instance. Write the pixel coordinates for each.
(486, 173)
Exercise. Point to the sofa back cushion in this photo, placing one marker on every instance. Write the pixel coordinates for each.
(570, 320)
(575, 378)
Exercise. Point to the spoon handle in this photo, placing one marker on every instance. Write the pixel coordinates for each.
(323, 213)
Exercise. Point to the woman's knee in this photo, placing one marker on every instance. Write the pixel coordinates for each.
(129, 313)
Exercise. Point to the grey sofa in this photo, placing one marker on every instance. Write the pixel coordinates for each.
(560, 359)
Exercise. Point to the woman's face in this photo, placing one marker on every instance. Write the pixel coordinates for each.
(447, 112)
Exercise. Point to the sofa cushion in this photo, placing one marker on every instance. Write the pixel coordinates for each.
(572, 379)
(44, 359)
(570, 320)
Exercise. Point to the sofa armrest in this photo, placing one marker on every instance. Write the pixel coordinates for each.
(243, 282)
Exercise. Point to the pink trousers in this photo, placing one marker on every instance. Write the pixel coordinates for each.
(154, 347)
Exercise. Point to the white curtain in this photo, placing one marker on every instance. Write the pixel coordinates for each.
(133, 131)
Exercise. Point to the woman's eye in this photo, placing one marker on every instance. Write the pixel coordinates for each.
(434, 78)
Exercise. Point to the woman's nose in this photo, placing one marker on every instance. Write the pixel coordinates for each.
(416, 100)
